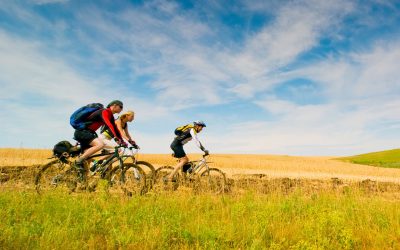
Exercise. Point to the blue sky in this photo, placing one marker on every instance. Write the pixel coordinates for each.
(268, 77)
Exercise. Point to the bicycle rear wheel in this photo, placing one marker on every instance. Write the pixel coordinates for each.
(56, 175)
(160, 179)
(213, 180)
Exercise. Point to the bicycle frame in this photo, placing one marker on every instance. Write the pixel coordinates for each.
(133, 156)
(103, 167)
(200, 165)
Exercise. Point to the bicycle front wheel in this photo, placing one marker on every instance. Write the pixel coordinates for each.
(213, 180)
(150, 172)
(133, 180)
(56, 175)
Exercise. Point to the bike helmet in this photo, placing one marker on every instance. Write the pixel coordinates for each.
(117, 102)
(199, 123)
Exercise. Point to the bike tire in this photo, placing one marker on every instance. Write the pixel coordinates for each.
(114, 177)
(213, 181)
(56, 175)
(150, 172)
(132, 180)
(160, 181)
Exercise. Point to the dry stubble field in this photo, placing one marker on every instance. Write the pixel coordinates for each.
(247, 170)
(308, 167)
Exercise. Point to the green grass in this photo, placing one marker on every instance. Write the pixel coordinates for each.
(350, 220)
(387, 159)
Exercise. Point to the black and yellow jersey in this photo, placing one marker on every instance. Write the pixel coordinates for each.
(186, 133)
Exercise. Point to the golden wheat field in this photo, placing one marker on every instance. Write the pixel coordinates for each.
(274, 166)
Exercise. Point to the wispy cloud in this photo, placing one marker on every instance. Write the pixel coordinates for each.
(295, 30)
(361, 90)
(41, 92)
(41, 2)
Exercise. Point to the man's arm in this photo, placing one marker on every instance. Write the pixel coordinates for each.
(108, 119)
(194, 136)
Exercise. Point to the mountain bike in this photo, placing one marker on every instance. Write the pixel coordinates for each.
(62, 174)
(195, 174)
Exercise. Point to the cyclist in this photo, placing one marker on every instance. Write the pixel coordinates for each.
(107, 136)
(88, 138)
(122, 125)
(183, 135)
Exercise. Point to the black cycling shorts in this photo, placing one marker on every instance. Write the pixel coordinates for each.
(177, 147)
(85, 137)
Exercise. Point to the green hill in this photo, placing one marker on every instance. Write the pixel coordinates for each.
(387, 159)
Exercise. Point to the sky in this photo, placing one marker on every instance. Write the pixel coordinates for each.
(304, 77)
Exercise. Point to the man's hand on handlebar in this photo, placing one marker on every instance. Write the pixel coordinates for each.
(134, 145)
(206, 152)
(122, 143)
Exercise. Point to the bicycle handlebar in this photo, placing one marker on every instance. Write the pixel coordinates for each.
(136, 150)
(122, 146)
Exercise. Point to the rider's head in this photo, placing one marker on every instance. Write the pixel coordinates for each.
(116, 106)
(127, 116)
(199, 125)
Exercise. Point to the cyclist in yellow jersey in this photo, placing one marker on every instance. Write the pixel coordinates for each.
(183, 135)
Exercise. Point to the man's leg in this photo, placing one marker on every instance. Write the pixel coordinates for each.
(109, 146)
(179, 153)
(182, 161)
(96, 145)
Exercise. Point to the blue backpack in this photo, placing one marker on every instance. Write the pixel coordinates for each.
(78, 119)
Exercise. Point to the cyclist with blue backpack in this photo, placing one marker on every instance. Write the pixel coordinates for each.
(184, 134)
(90, 118)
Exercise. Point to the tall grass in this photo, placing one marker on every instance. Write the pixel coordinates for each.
(325, 220)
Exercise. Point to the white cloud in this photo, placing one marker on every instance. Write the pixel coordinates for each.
(312, 130)
(360, 113)
(367, 74)
(39, 93)
(276, 106)
(24, 69)
(42, 2)
(297, 28)
(168, 49)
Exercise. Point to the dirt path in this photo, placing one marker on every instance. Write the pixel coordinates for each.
(313, 168)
